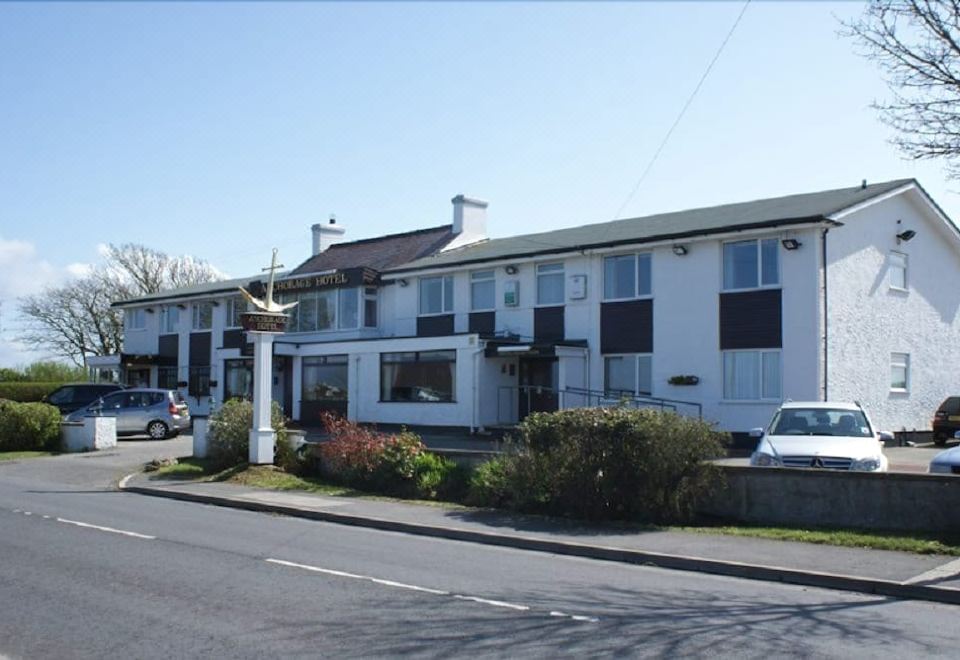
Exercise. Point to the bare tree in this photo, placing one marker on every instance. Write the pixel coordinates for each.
(75, 320)
(917, 46)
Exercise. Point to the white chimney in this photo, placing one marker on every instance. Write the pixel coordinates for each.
(325, 235)
(469, 221)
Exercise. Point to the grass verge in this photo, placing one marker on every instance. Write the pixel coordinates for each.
(17, 455)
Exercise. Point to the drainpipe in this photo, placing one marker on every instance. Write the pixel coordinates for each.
(474, 415)
(826, 334)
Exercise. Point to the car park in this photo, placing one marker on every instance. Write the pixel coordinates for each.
(821, 435)
(155, 412)
(946, 421)
(74, 396)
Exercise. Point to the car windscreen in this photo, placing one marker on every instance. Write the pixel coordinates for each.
(821, 421)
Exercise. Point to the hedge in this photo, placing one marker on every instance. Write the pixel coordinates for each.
(29, 426)
(26, 392)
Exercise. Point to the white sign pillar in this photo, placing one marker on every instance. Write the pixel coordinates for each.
(261, 435)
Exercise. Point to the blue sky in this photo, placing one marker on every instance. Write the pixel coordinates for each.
(222, 130)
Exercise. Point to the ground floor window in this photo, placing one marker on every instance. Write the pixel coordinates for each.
(751, 375)
(628, 374)
(199, 383)
(138, 377)
(167, 378)
(899, 372)
(426, 376)
(325, 378)
(237, 379)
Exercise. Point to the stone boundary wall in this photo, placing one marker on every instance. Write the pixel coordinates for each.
(824, 498)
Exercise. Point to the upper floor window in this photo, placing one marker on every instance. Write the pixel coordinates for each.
(235, 307)
(202, 316)
(326, 310)
(899, 372)
(483, 294)
(169, 319)
(626, 276)
(897, 271)
(436, 295)
(751, 264)
(550, 284)
(135, 319)
(370, 307)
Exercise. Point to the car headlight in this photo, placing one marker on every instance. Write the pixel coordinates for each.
(871, 464)
(762, 459)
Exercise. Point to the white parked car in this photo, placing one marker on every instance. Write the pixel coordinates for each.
(947, 461)
(821, 434)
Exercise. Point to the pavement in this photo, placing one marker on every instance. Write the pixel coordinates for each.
(886, 573)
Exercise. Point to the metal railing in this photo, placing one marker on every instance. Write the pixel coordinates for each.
(539, 398)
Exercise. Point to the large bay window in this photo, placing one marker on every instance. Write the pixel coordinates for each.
(751, 375)
(436, 295)
(628, 375)
(550, 289)
(751, 264)
(423, 377)
(329, 309)
(626, 276)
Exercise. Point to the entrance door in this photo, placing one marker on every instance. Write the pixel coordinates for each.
(538, 385)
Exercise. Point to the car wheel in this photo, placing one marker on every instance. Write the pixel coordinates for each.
(157, 430)
(939, 440)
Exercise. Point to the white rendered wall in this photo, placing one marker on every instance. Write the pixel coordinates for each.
(143, 342)
(868, 321)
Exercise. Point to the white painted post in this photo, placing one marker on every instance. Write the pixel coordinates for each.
(261, 435)
(200, 425)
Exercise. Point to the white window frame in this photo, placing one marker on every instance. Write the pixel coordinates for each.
(636, 276)
(553, 270)
(900, 361)
(135, 319)
(231, 311)
(761, 352)
(195, 316)
(166, 328)
(636, 371)
(368, 294)
(446, 281)
(482, 277)
(892, 264)
(759, 246)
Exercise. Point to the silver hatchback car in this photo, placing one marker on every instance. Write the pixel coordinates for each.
(158, 413)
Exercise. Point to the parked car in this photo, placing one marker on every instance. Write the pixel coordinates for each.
(824, 435)
(947, 461)
(78, 395)
(158, 413)
(946, 421)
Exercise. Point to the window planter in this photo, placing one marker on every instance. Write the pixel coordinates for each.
(684, 380)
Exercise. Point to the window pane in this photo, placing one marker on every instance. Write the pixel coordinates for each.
(645, 374)
(898, 270)
(741, 375)
(308, 312)
(325, 378)
(294, 312)
(621, 374)
(619, 276)
(644, 276)
(431, 295)
(771, 375)
(899, 368)
(418, 381)
(482, 295)
(349, 309)
(550, 289)
(369, 312)
(448, 294)
(327, 310)
(482, 275)
(769, 255)
(202, 316)
(740, 265)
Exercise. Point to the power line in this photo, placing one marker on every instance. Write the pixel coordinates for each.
(683, 111)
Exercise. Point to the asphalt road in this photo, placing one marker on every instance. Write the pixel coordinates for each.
(87, 572)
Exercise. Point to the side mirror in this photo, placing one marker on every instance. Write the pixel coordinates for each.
(756, 433)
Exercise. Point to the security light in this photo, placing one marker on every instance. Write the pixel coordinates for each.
(906, 235)
(680, 250)
(790, 243)
(511, 270)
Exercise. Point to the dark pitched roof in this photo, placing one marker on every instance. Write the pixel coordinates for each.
(778, 211)
(378, 253)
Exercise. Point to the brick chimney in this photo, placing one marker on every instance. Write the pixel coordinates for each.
(325, 235)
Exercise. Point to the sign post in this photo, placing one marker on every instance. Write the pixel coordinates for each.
(262, 325)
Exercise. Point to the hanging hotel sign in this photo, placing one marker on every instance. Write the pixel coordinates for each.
(263, 322)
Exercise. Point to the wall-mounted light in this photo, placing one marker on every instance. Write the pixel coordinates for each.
(149, 310)
(511, 270)
(680, 250)
(215, 303)
(790, 244)
(181, 306)
(402, 282)
(906, 235)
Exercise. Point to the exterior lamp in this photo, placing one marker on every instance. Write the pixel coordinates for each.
(906, 235)
(511, 270)
(790, 243)
(402, 282)
(680, 250)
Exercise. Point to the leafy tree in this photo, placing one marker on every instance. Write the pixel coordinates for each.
(916, 43)
(75, 320)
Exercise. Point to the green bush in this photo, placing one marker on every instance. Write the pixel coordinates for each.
(29, 427)
(26, 392)
(605, 463)
(229, 435)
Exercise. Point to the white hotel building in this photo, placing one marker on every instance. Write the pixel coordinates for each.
(725, 311)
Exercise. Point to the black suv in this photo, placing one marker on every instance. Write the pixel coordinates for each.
(946, 421)
(75, 396)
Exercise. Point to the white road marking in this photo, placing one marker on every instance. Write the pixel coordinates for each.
(412, 587)
(950, 569)
(106, 529)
